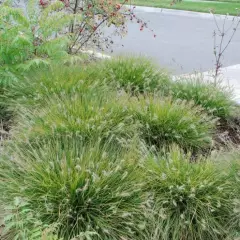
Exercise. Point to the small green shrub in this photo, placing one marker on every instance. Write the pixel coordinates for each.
(214, 98)
(26, 41)
(135, 74)
(165, 121)
(190, 200)
(20, 223)
(84, 189)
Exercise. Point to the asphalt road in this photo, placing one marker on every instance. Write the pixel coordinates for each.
(184, 41)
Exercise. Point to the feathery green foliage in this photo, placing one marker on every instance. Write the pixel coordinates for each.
(26, 42)
(231, 160)
(37, 86)
(20, 223)
(73, 170)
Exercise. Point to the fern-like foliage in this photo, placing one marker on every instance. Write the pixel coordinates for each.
(18, 218)
(33, 39)
(30, 40)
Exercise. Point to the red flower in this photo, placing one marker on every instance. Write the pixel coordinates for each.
(118, 6)
(43, 3)
(66, 2)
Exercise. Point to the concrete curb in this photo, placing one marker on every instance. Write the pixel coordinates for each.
(177, 12)
(96, 54)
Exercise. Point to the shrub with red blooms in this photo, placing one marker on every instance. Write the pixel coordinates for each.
(91, 17)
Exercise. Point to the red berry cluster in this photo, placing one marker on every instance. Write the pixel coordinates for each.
(143, 24)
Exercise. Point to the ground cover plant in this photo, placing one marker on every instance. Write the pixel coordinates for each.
(89, 190)
(86, 116)
(64, 130)
(64, 99)
(35, 87)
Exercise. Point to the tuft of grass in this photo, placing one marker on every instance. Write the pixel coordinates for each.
(212, 97)
(135, 74)
(88, 191)
(86, 116)
(191, 200)
(37, 86)
(165, 121)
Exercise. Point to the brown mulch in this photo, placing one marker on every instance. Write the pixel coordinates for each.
(228, 132)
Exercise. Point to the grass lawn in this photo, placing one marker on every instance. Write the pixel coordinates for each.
(220, 7)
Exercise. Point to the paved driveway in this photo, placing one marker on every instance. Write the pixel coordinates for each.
(184, 41)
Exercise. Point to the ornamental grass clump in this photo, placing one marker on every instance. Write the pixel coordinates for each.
(214, 98)
(190, 200)
(38, 86)
(231, 160)
(136, 74)
(85, 190)
(87, 116)
(165, 121)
